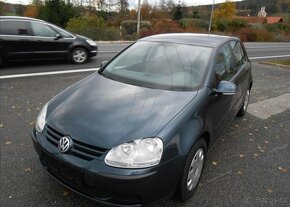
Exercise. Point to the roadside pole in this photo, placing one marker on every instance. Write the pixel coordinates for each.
(139, 17)
(210, 21)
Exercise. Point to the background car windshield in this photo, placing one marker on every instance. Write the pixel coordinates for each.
(161, 65)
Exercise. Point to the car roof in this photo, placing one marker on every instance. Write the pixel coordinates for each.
(20, 18)
(191, 38)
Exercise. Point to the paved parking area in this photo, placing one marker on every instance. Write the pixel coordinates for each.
(248, 165)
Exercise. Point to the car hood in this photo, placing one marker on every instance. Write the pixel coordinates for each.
(82, 37)
(105, 113)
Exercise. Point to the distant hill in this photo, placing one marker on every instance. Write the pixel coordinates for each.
(245, 8)
(272, 6)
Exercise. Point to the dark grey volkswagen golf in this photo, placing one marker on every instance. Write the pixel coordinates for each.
(138, 130)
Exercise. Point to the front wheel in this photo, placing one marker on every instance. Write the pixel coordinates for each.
(79, 55)
(244, 107)
(1, 61)
(192, 171)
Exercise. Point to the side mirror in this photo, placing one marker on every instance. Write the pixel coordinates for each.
(226, 88)
(57, 36)
(104, 63)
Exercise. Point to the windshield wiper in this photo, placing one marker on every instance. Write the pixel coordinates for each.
(107, 76)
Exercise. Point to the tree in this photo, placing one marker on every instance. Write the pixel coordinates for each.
(195, 14)
(89, 25)
(178, 13)
(146, 10)
(57, 11)
(101, 5)
(167, 5)
(3, 8)
(123, 6)
(31, 11)
(226, 10)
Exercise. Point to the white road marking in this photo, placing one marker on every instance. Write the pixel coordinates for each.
(269, 107)
(268, 57)
(95, 69)
(109, 51)
(48, 73)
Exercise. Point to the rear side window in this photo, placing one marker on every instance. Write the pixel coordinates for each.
(238, 52)
(224, 66)
(42, 30)
(14, 27)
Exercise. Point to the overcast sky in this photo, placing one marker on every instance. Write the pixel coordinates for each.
(133, 3)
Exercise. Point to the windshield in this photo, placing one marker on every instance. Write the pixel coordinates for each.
(160, 65)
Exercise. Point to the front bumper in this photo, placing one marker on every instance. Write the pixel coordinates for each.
(105, 184)
(93, 51)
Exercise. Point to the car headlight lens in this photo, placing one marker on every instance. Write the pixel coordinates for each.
(91, 42)
(40, 122)
(139, 153)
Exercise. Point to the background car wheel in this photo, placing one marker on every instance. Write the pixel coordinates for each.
(1, 61)
(244, 108)
(193, 169)
(79, 55)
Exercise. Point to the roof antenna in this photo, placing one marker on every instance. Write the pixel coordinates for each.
(210, 21)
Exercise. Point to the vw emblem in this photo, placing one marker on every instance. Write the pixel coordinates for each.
(64, 144)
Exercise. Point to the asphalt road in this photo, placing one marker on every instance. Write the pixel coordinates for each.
(247, 166)
(257, 51)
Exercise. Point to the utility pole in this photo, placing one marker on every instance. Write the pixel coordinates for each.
(210, 22)
(139, 17)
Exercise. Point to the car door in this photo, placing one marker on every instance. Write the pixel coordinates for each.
(242, 67)
(15, 37)
(46, 42)
(224, 105)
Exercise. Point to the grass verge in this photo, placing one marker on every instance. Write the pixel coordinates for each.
(283, 62)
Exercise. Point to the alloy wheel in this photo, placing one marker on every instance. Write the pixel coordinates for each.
(79, 56)
(246, 102)
(195, 169)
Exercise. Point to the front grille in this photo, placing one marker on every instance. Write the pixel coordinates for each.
(79, 149)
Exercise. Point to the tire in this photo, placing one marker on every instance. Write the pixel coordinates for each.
(79, 55)
(192, 172)
(1, 61)
(244, 107)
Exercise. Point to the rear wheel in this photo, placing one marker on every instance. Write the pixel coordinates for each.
(79, 55)
(193, 169)
(244, 108)
(1, 61)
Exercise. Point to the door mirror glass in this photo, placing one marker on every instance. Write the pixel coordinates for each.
(226, 88)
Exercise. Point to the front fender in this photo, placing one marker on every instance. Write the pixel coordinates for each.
(78, 44)
(182, 132)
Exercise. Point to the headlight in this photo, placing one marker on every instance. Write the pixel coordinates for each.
(40, 122)
(91, 42)
(139, 153)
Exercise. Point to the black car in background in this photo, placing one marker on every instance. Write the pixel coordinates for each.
(23, 38)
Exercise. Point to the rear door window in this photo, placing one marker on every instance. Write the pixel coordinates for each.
(15, 27)
(42, 30)
(238, 52)
(224, 67)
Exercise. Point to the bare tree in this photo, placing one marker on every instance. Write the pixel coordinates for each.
(123, 5)
(167, 5)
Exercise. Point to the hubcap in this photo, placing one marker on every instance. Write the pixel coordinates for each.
(195, 169)
(246, 102)
(79, 56)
